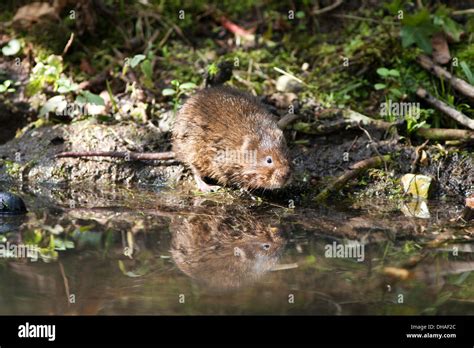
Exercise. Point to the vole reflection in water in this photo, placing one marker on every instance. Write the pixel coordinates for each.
(224, 252)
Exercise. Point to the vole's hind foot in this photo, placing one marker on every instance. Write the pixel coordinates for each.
(202, 186)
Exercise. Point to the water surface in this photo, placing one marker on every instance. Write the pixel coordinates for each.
(143, 251)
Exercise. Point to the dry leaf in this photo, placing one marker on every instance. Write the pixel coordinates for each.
(441, 53)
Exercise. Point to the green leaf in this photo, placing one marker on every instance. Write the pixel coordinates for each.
(147, 69)
(303, 127)
(56, 62)
(379, 86)
(417, 29)
(467, 71)
(168, 91)
(417, 35)
(394, 72)
(383, 72)
(212, 69)
(419, 18)
(11, 48)
(396, 92)
(5, 86)
(136, 60)
(394, 6)
(66, 85)
(34, 86)
(57, 102)
(91, 98)
(300, 14)
(442, 19)
(187, 86)
(453, 29)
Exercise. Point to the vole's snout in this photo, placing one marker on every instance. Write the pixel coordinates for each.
(286, 177)
(283, 177)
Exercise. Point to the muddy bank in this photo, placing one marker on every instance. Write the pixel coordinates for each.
(328, 156)
(30, 159)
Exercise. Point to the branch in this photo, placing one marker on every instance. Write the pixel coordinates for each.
(365, 120)
(445, 108)
(135, 156)
(327, 8)
(445, 134)
(463, 12)
(353, 172)
(286, 120)
(459, 84)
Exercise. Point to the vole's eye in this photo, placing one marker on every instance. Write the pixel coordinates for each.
(266, 246)
(269, 160)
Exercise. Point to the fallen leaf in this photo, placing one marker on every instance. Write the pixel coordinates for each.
(32, 13)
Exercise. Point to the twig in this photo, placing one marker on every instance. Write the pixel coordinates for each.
(286, 120)
(249, 84)
(459, 84)
(284, 267)
(281, 71)
(463, 12)
(365, 19)
(135, 156)
(445, 134)
(327, 8)
(445, 108)
(68, 44)
(418, 155)
(66, 283)
(165, 38)
(236, 29)
(365, 120)
(353, 172)
(372, 144)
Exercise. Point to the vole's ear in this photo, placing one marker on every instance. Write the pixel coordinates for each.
(238, 252)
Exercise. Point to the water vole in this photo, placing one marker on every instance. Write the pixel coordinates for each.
(229, 136)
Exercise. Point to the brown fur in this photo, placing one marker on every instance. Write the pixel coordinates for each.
(225, 251)
(221, 119)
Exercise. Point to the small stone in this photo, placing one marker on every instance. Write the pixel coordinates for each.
(287, 84)
(11, 204)
(416, 185)
(166, 121)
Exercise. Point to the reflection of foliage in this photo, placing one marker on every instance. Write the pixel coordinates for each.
(5, 87)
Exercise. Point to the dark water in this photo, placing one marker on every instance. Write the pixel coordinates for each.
(123, 251)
